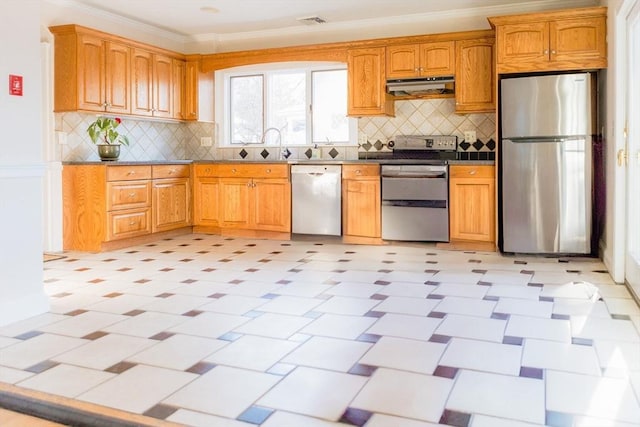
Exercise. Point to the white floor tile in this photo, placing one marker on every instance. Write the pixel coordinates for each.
(301, 289)
(606, 329)
(405, 305)
(252, 288)
(405, 394)
(37, 349)
(198, 419)
(499, 395)
(622, 306)
(223, 391)
(405, 326)
(30, 324)
(464, 290)
(83, 324)
(347, 306)
(339, 326)
(327, 398)
(274, 325)
(468, 306)
(509, 291)
(560, 356)
(210, 325)
(485, 421)
(401, 289)
(176, 304)
(580, 307)
(253, 352)
(381, 420)
(119, 305)
(66, 380)
(506, 277)
(13, 376)
(545, 329)
(178, 352)
(405, 355)
(460, 326)
(290, 305)
(524, 307)
(483, 356)
(618, 356)
(146, 324)
(138, 389)
(328, 353)
(286, 419)
(600, 397)
(105, 352)
(234, 304)
(456, 277)
(356, 290)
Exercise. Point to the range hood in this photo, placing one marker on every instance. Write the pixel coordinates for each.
(420, 86)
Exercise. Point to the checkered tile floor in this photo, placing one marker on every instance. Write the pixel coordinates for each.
(211, 331)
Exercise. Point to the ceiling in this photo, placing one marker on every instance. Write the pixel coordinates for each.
(201, 18)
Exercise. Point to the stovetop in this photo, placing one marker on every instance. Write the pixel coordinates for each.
(434, 149)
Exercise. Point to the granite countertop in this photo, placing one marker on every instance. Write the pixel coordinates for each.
(131, 163)
(290, 162)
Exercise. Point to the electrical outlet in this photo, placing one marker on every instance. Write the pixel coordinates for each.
(470, 136)
(206, 141)
(362, 138)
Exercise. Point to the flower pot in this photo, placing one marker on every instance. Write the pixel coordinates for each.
(108, 152)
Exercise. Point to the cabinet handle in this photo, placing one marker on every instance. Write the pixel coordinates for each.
(132, 195)
(233, 170)
(472, 172)
(132, 223)
(131, 173)
(172, 171)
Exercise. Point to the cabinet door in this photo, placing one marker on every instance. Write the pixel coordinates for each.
(142, 83)
(271, 207)
(403, 61)
(91, 73)
(472, 204)
(234, 202)
(582, 39)
(205, 201)
(437, 59)
(162, 86)
(118, 78)
(171, 204)
(475, 76)
(178, 85)
(361, 207)
(128, 223)
(527, 42)
(367, 83)
(191, 91)
(128, 194)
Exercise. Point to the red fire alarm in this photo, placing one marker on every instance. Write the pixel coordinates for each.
(15, 85)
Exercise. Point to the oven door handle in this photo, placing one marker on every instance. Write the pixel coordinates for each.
(437, 204)
(420, 175)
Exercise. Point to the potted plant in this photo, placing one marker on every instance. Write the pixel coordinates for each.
(103, 133)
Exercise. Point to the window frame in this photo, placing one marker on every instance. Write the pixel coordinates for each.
(223, 105)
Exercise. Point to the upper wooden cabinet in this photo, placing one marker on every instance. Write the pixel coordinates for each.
(563, 40)
(475, 76)
(91, 74)
(420, 60)
(367, 83)
(99, 72)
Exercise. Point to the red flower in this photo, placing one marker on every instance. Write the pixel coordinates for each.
(118, 120)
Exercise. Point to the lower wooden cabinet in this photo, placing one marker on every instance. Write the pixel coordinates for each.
(105, 204)
(472, 203)
(231, 197)
(361, 203)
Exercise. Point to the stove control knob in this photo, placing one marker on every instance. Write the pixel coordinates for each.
(391, 144)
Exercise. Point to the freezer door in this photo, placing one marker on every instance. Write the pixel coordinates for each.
(553, 105)
(546, 196)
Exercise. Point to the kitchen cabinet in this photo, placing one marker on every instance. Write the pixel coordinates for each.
(171, 197)
(420, 60)
(99, 72)
(570, 39)
(255, 198)
(475, 76)
(91, 73)
(361, 217)
(367, 95)
(111, 206)
(198, 92)
(472, 203)
(152, 92)
(206, 190)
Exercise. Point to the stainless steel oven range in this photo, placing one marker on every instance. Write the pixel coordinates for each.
(415, 189)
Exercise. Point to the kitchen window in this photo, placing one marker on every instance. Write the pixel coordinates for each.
(291, 104)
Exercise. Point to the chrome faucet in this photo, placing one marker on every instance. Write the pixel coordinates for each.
(282, 155)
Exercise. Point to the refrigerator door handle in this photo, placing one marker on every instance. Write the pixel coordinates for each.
(537, 139)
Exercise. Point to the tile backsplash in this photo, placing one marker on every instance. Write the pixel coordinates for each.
(156, 140)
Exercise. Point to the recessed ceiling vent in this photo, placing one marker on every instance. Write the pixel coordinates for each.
(312, 20)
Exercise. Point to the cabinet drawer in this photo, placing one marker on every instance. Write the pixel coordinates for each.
(268, 170)
(129, 223)
(206, 170)
(128, 194)
(128, 173)
(170, 171)
(470, 171)
(360, 171)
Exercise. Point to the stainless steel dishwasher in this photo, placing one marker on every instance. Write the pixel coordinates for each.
(316, 199)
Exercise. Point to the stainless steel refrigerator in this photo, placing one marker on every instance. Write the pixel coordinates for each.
(546, 161)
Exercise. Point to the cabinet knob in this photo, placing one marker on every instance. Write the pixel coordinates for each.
(358, 172)
(472, 172)
(131, 173)
(207, 170)
(546, 51)
(553, 52)
(268, 170)
(171, 171)
(132, 223)
(132, 195)
(233, 170)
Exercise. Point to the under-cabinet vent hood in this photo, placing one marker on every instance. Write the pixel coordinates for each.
(420, 86)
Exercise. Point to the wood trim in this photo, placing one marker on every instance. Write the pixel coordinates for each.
(255, 234)
(548, 15)
(357, 240)
(141, 240)
(323, 52)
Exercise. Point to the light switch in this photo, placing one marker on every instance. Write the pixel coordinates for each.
(470, 136)
(206, 141)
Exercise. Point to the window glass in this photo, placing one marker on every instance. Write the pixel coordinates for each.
(286, 107)
(246, 100)
(330, 123)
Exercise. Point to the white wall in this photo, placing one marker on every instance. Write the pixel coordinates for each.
(21, 169)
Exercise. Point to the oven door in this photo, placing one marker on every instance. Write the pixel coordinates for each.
(415, 203)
